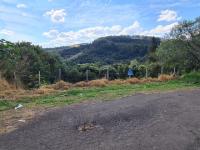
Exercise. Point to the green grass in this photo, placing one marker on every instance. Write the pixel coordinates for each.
(110, 92)
(193, 77)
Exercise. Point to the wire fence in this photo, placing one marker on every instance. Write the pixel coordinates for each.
(39, 78)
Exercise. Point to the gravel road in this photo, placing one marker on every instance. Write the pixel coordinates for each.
(162, 121)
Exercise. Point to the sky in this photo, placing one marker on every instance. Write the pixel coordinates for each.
(53, 23)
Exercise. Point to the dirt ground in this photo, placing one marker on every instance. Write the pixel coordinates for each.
(161, 121)
(12, 119)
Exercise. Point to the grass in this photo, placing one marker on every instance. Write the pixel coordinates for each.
(193, 77)
(109, 92)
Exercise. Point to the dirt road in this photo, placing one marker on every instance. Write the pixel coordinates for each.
(165, 121)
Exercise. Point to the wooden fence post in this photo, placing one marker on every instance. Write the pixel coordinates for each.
(162, 68)
(87, 75)
(174, 71)
(146, 75)
(59, 75)
(107, 75)
(39, 80)
(15, 80)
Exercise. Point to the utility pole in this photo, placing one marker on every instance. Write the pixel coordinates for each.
(87, 75)
(39, 80)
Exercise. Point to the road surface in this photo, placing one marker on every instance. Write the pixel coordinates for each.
(162, 121)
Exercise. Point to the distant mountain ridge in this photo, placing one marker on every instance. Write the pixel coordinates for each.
(108, 50)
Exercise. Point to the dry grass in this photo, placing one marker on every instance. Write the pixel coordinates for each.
(92, 83)
(81, 84)
(117, 81)
(149, 79)
(9, 92)
(47, 89)
(133, 81)
(98, 83)
(42, 91)
(4, 85)
(60, 85)
(165, 77)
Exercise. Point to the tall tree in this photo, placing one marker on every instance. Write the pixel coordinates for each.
(182, 49)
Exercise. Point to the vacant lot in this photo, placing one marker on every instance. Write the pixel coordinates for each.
(145, 121)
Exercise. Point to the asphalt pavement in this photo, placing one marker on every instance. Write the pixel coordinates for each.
(162, 121)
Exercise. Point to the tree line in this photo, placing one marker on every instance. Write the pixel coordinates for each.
(178, 52)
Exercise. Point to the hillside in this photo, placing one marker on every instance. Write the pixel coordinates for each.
(108, 50)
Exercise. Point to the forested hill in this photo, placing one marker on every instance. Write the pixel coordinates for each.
(108, 50)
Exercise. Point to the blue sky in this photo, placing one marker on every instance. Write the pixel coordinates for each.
(52, 23)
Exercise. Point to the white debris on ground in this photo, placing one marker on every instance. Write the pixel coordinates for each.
(22, 120)
(19, 106)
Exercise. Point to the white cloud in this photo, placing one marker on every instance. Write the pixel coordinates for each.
(168, 15)
(6, 32)
(21, 6)
(57, 16)
(51, 34)
(86, 35)
(160, 30)
(134, 28)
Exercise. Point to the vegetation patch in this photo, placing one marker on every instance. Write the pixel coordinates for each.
(110, 90)
(193, 77)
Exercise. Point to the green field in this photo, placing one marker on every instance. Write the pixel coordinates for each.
(110, 92)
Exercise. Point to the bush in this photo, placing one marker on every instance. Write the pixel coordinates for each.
(193, 77)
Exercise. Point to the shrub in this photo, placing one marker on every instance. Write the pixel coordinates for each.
(193, 77)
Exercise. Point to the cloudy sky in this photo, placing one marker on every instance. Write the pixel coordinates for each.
(52, 23)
